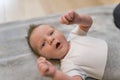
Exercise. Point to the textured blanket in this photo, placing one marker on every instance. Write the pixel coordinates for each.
(17, 62)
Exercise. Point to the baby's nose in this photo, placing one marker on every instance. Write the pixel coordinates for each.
(50, 40)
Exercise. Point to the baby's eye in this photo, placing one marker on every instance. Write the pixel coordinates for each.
(51, 33)
(43, 44)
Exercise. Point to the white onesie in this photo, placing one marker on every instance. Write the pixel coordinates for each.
(87, 56)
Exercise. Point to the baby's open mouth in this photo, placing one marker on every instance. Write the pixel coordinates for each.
(57, 45)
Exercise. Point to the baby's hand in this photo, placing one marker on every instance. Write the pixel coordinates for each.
(70, 17)
(45, 67)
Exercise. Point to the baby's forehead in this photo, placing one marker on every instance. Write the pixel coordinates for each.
(41, 29)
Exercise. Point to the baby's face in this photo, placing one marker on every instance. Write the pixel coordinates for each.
(49, 42)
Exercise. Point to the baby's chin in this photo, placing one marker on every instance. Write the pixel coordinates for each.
(66, 49)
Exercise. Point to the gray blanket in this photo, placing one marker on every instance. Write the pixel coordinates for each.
(17, 62)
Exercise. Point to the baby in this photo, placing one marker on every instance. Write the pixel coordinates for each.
(81, 56)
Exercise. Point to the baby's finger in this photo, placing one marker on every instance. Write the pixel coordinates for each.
(41, 59)
(49, 63)
(71, 14)
(68, 18)
(63, 20)
(43, 68)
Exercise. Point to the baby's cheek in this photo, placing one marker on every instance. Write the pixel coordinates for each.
(48, 52)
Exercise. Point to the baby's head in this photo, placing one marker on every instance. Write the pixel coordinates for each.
(46, 41)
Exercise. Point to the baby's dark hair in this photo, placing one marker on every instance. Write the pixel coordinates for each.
(30, 30)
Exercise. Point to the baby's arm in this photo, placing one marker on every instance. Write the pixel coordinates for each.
(47, 69)
(84, 21)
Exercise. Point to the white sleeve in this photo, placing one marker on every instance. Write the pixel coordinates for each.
(78, 31)
(72, 70)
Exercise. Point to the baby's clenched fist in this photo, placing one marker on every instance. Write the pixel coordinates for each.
(70, 17)
(45, 67)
